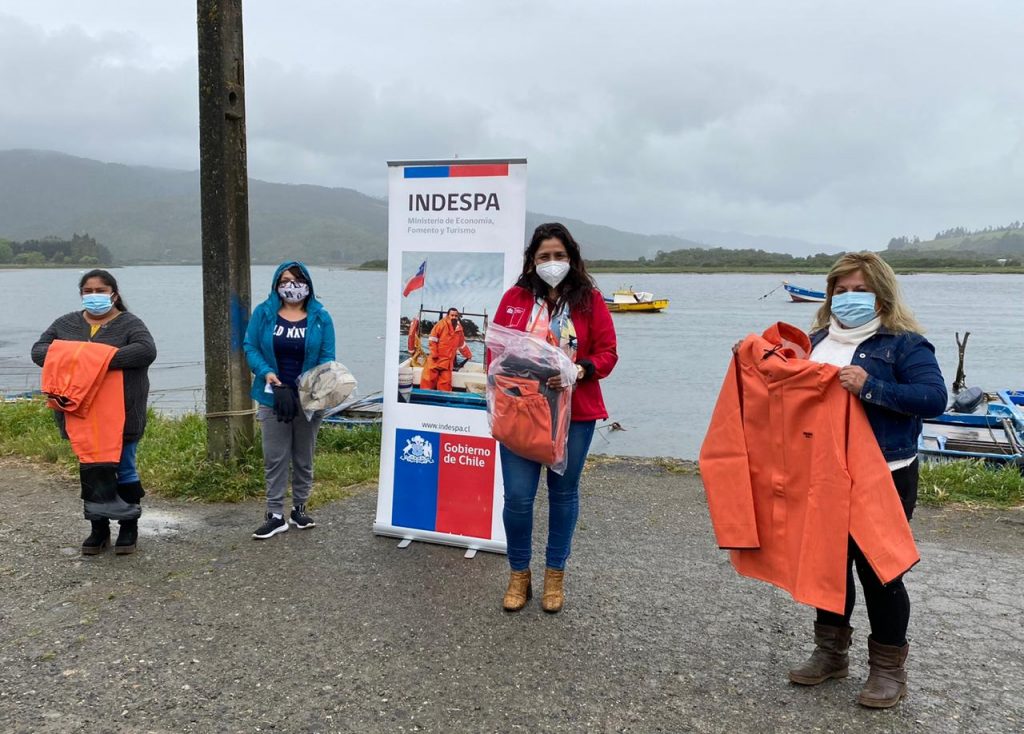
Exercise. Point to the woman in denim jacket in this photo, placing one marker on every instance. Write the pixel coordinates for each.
(865, 328)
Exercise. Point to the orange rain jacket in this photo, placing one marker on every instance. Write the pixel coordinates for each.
(792, 470)
(79, 384)
(445, 341)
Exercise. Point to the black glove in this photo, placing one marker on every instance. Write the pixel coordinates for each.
(285, 403)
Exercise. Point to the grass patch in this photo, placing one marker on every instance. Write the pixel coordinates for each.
(970, 482)
(172, 456)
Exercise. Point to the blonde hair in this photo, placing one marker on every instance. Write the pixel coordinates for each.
(880, 280)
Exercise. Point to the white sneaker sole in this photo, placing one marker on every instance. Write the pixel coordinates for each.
(272, 533)
(302, 527)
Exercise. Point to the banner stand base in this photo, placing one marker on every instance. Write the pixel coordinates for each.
(406, 542)
(470, 544)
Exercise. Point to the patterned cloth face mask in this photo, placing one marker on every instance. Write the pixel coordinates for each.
(293, 292)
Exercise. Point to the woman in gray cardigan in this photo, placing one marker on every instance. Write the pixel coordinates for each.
(104, 318)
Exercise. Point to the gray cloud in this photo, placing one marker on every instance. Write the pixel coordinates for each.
(846, 123)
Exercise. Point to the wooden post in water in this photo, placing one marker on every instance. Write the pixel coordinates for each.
(225, 220)
(960, 381)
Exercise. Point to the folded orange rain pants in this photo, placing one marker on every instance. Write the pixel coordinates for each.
(792, 470)
(78, 381)
(528, 423)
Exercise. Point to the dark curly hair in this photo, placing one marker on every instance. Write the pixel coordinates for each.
(577, 288)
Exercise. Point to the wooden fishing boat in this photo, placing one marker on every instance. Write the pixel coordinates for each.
(628, 300)
(990, 429)
(469, 385)
(803, 295)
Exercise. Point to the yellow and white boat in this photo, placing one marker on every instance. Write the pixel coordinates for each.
(626, 299)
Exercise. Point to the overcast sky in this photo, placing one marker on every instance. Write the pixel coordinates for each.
(837, 121)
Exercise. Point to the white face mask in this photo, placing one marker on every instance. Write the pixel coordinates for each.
(553, 272)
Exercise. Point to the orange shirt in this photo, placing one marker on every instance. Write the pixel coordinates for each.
(792, 470)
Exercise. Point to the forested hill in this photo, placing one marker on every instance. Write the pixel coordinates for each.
(1004, 241)
(152, 214)
(147, 214)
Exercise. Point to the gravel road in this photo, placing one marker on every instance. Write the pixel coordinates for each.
(336, 630)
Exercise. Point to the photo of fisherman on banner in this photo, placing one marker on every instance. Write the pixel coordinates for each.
(445, 301)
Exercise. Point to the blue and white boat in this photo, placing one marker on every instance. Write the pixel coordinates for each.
(991, 430)
(803, 295)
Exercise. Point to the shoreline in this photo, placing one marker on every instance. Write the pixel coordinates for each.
(629, 270)
(1010, 270)
(349, 458)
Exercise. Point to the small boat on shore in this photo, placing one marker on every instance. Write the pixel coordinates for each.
(803, 295)
(978, 425)
(357, 412)
(626, 299)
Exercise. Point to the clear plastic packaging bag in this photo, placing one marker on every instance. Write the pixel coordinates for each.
(325, 386)
(525, 415)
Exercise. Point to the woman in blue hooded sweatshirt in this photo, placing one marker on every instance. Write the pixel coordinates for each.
(289, 333)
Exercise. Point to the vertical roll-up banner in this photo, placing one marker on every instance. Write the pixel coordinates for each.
(456, 231)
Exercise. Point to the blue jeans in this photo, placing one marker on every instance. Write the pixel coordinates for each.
(522, 477)
(126, 469)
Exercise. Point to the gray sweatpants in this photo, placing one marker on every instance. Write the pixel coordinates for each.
(287, 446)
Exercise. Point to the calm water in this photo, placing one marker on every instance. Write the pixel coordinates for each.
(671, 364)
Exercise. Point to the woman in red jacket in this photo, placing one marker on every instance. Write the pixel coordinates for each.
(556, 287)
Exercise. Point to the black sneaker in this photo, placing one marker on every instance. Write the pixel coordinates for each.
(275, 524)
(300, 519)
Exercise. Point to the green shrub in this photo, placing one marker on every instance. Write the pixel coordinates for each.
(972, 482)
(172, 456)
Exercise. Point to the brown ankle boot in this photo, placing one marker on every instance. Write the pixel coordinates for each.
(519, 591)
(829, 659)
(887, 676)
(554, 591)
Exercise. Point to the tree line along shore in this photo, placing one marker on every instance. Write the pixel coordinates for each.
(756, 261)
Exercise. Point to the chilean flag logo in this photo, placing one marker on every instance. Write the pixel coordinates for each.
(417, 281)
(515, 315)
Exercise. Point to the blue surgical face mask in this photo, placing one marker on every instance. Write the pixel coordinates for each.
(97, 304)
(854, 308)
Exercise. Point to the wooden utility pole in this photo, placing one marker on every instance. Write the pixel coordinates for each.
(225, 214)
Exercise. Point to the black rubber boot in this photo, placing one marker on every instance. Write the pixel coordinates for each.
(98, 539)
(127, 537)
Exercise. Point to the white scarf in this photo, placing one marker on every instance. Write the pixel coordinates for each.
(838, 347)
(854, 335)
